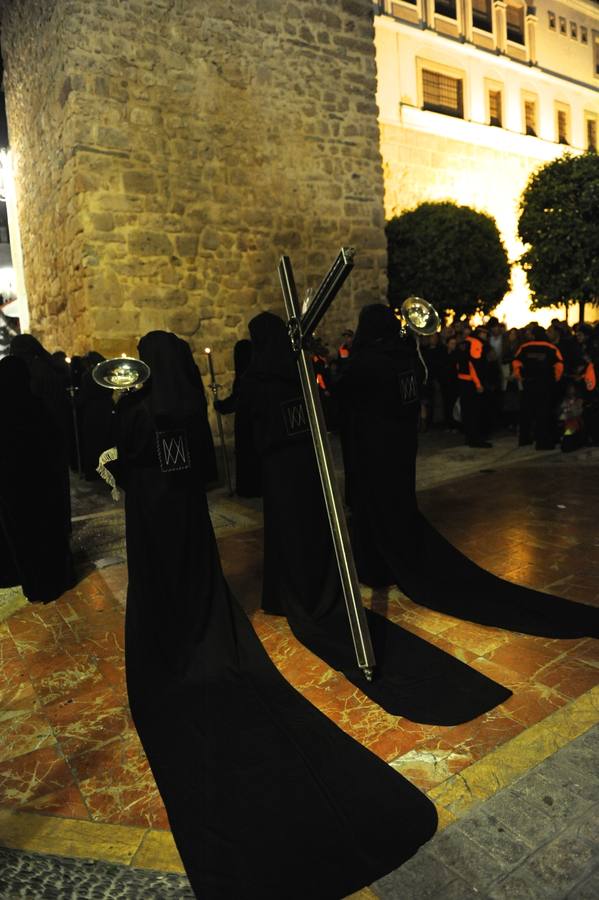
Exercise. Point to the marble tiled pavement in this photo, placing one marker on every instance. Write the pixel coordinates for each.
(73, 778)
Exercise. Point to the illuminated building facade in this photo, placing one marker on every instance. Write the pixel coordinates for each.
(474, 95)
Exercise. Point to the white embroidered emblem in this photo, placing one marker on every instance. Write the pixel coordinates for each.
(173, 451)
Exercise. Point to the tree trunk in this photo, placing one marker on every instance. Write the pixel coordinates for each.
(581, 305)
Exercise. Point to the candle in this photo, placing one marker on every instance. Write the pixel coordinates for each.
(210, 365)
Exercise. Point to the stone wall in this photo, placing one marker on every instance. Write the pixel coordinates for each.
(168, 151)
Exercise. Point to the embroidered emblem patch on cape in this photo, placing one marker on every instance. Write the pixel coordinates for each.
(295, 417)
(173, 450)
(408, 389)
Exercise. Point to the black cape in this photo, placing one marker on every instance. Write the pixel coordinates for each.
(265, 796)
(34, 529)
(393, 542)
(248, 466)
(51, 388)
(94, 417)
(412, 678)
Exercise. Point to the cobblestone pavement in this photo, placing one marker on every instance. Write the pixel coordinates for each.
(536, 840)
(31, 876)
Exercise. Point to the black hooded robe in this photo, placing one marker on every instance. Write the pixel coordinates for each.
(94, 417)
(248, 469)
(393, 542)
(34, 533)
(301, 581)
(265, 796)
(51, 388)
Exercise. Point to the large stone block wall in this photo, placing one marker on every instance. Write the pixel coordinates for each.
(168, 151)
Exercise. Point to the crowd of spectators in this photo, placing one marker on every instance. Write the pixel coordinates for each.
(539, 383)
(556, 366)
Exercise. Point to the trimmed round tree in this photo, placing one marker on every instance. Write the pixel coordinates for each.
(559, 221)
(451, 255)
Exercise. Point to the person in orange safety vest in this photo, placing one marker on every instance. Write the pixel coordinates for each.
(471, 365)
(539, 365)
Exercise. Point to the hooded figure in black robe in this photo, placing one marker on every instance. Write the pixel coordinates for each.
(393, 542)
(301, 580)
(34, 533)
(265, 796)
(51, 388)
(94, 417)
(248, 474)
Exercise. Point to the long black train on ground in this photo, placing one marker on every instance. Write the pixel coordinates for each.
(393, 542)
(265, 796)
(301, 581)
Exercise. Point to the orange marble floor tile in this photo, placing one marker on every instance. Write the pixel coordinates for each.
(524, 659)
(88, 719)
(476, 638)
(531, 703)
(37, 627)
(8, 648)
(16, 688)
(571, 677)
(58, 675)
(22, 731)
(30, 778)
(117, 784)
(473, 740)
(66, 803)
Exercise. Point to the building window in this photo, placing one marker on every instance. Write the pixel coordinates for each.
(515, 24)
(446, 8)
(592, 134)
(441, 93)
(563, 123)
(562, 25)
(551, 18)
(596, 53)
(495, 108)
(584, 35)
(482, 15)
(574, 30)
(530, 117)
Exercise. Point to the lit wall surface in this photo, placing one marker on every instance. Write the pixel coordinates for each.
(433, 155)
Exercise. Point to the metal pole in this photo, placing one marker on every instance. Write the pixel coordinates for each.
(345, 561)
(219, 422)
(72, 390)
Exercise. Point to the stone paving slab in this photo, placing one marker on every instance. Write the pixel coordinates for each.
(536, 840)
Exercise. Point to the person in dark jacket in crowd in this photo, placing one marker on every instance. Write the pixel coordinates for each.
(471, 375)
(539, 365)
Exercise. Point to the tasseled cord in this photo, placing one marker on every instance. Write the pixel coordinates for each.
(109, 456)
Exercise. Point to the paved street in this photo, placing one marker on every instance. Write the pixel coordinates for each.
(516, 789)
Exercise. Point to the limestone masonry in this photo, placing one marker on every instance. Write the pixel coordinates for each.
(168, 151)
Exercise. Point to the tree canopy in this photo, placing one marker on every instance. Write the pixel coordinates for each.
(559, 221)
(451, 255)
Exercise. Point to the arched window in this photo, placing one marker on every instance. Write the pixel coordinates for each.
(515, 23)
